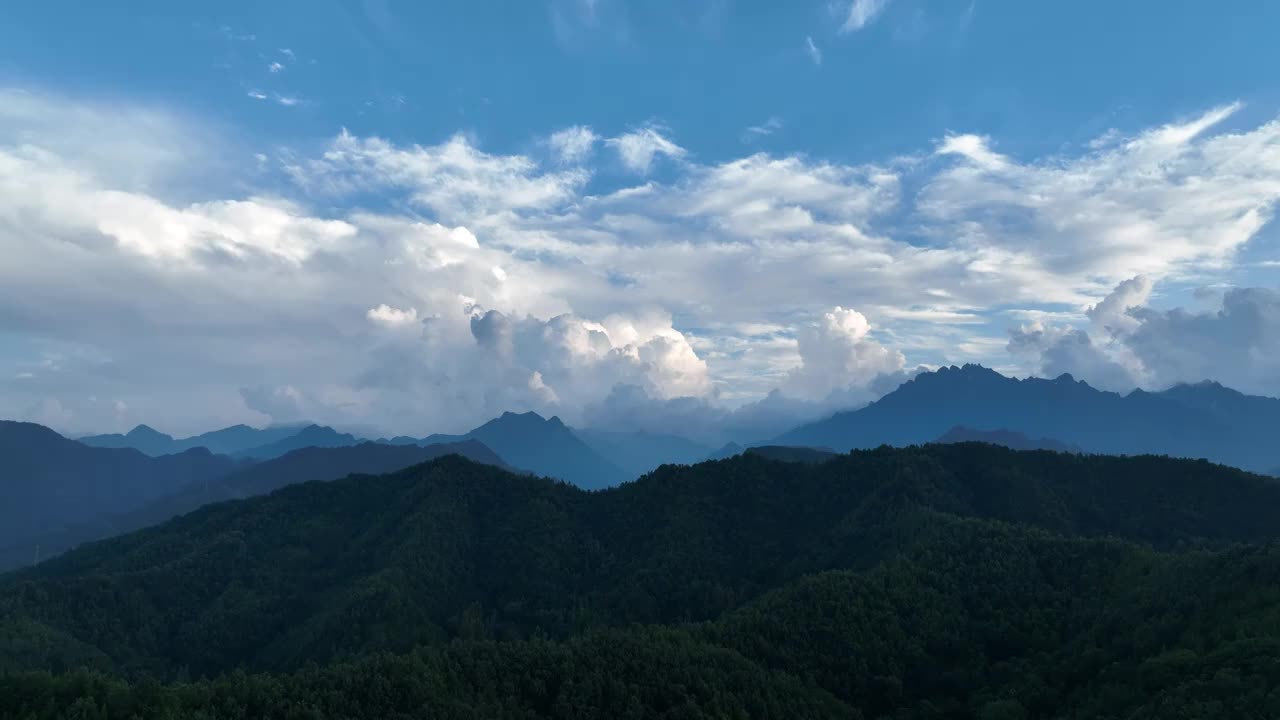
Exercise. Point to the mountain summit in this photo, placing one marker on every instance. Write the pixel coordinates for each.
(542, 445)
(1203, 420)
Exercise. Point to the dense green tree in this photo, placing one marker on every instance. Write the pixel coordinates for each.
(958, 581)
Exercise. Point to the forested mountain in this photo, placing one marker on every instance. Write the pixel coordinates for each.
(961, 580)
(49, 483)
(302, 465)
(1006, 438)
(1204, 420)
(636, 453)
(544, 446)
(227, 441)
(788, 453)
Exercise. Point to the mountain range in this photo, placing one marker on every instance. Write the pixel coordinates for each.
(241, 481)
(952, 403)
(950, 580)
(1204, 420)
(49, 483)
(227, 441)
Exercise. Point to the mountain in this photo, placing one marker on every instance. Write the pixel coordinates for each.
(784, 453)
(639, 452)
(1006, 438)
(142, 438)
(725, 451)
(317, 436)
(303, 465)
(961, 580)
(543, 446)
(1199, 421)
(49, 483)
(227, 441)
(788, 453)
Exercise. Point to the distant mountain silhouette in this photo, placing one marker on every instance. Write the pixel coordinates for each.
(303, 465)
(531, 442)
(142, 438)
(1198, 421)
(317, 436)
(227, 441)
(1007, 438)
(639, 452)
(791, 453)
(728, 450)
(49, 483)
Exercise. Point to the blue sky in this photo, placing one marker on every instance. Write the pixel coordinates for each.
(707, 200)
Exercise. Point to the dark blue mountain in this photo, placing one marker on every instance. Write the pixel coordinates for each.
(544, 446)
(142, 438)
(1197, 421)
(639, 452)
(312, 436)
(728, 450)
(227, 441)
(306, 464)
(49, 483)
(1005, 438)
(791, 453)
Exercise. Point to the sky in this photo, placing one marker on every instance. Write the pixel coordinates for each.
(404, 218)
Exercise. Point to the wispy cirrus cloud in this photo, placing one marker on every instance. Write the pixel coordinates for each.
(861, 13)
(811, 48)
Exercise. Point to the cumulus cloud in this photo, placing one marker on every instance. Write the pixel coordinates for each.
(483, 282)
(837, 353)
(1238, 343)
(393, 317)
(1131, 344)
(637, 149)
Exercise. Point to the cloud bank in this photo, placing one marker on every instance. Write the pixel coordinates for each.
(425, 287)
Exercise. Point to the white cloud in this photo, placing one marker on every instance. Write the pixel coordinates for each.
(861, 14)
(1131, 344)
(638, 149)
(573, 144)
(393, 317)
(837, 353)
(286, 100)
(257, 95)
(275, 67)
(699, 292)
(768, 127)
(453, 179)
(1168, 201)
(815, 54)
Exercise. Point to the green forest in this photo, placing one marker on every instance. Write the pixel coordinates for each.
(943, 581)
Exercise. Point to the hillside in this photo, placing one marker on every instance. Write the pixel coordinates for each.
(1195, 421)
(295, 565)
(258, 479)
(958, 580)
(49, 483)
